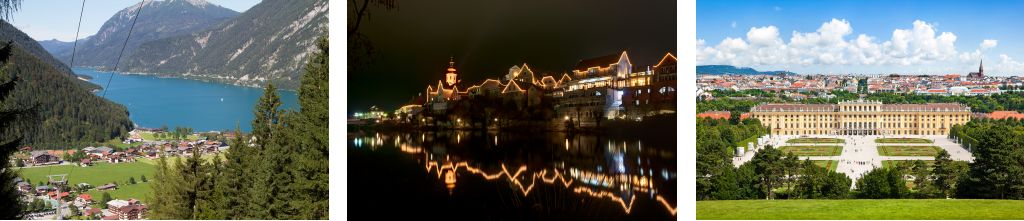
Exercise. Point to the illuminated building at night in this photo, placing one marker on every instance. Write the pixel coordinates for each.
(607, 87)
(448, 90)
(518, 84)
(861, 117)
(652, 91)
(611, 86)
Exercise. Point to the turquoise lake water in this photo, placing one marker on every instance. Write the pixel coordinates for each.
(153, 102)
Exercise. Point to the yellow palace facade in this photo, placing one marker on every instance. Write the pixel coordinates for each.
(861, 117)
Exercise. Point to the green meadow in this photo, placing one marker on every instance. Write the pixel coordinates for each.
(99, 174)
(905, 209)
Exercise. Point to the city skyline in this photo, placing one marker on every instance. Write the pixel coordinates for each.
(836, 37)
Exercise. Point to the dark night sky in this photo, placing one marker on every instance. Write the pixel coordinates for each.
(488, 37)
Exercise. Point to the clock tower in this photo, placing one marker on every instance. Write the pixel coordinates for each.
(451, 77)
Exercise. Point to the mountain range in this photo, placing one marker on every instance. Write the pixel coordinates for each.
(157, 20)
(729, 69)
(194, 39)
(270, 42)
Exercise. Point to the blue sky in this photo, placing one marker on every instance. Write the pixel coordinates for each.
(725, 28)
(49, 19)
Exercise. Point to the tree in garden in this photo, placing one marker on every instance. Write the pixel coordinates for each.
(770, 170)
(882, 183)
(104, 199)
(922, 175)
(946, 172)
(996, 171)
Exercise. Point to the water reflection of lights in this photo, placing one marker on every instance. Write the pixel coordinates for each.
(625, 182)
(592, 184)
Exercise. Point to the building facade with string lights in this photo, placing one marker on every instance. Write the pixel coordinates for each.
(861, 117)
(602, 88)
(612, 87)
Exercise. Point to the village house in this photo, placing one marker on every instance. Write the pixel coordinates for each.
(211, 146)
(83, 200)
(133, 138)
(53, 195)
(109, 186)
(120, 157)
(85, 186)
(42, 189)
(98, 152)
(126, 210)
(42, 157)
(92, 212)
(24, 187)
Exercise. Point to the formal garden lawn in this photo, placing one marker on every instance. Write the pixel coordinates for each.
(827, 164)
(902, 140)
(906, 209)
(892, 163)
(908, 150)
(99, 174)
(813, 150)
(816, 140)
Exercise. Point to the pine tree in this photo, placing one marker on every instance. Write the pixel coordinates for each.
(229, 189)
(197, 181)
(264, 125)
(9, 140)
(310, 132)
(163, 204)
(206, 202)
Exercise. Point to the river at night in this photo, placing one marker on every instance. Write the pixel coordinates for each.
(477, 175)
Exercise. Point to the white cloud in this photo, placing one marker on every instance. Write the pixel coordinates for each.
(733, 24)
(833, 47)
(764, 36)
(986, 44)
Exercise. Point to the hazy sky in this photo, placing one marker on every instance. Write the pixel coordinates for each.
(57, 19)
(863, 36)
(488, 37)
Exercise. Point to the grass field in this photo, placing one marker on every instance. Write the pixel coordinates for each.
(906, 209)
(813, 150)
(171, 160)
(908, 150)
(892, 163)
(152, 136)
(99, 174)
(815, 140)
(902, 140)
(827, 164)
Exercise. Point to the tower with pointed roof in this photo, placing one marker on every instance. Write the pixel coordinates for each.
(451, 78)
(981, 71)
(981, 68)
